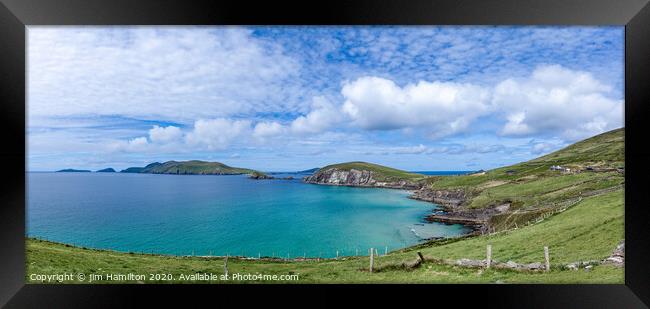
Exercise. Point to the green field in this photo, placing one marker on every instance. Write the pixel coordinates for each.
(579, 215)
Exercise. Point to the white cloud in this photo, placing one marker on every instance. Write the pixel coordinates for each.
(138, 144)
(443, 108)
(217, 134)
(165, 134)
(554, 99)
(268, 129)
(207, 134)
(158, 73)
(440, 149)
(322, 117)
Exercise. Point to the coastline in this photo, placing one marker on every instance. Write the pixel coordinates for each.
(476, 221)
(409, 193)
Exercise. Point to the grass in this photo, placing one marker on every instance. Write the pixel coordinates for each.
(532, 184)
(589, 230)
(381, 172)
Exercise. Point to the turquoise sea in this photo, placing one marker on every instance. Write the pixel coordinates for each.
(219, 215)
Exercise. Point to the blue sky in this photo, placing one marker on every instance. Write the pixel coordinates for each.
(290, 98)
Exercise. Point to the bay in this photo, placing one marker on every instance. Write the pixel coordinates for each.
(210, 214)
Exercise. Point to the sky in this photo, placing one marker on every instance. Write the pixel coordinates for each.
(418, 98)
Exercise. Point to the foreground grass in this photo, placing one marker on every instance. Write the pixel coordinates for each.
(589, 230)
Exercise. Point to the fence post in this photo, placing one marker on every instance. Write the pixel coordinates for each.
(225, 266)
(337, 254)
(372, 259)
(488, 260)
(548, 263)
(259, 255)
(386, 250)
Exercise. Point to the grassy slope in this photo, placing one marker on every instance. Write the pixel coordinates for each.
(381, 172)
(589, 230)
(533, 184)
(195, 167)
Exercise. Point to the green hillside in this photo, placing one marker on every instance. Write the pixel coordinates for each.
(381, 172)
(194, 167)
(590, 165)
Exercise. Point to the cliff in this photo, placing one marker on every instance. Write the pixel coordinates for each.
(362, 174)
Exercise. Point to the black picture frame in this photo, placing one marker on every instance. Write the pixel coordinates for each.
(15, 15)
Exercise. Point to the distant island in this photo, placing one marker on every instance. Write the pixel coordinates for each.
(193, 167)
(106, 170)
(72, 170)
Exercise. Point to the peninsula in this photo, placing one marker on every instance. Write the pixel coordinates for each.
(363, 174)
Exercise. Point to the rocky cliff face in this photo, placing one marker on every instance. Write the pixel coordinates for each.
(357, 178)
(447, 198)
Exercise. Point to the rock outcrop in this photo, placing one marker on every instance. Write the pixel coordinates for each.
(258, 176)
(618, 256)
(447, 198)
(453, 208)
(358, 178)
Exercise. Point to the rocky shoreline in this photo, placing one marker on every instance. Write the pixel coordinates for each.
(451, 201)
(453, 211)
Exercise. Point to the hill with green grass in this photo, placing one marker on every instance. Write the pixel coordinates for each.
(194, 167)
(363, 174)
(512, 195)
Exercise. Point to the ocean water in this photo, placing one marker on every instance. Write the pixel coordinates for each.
(202, 214)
